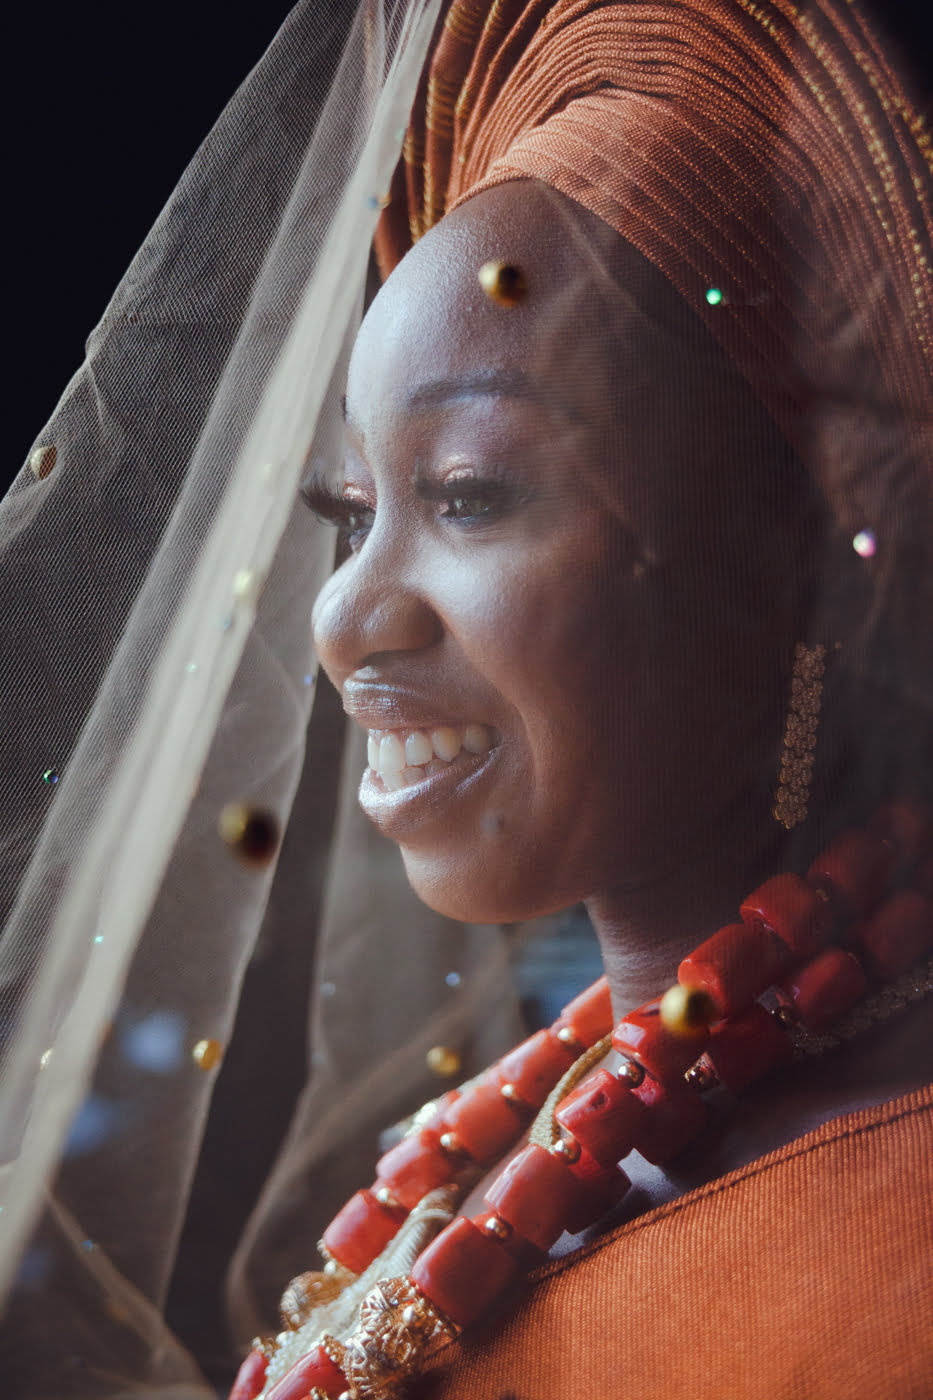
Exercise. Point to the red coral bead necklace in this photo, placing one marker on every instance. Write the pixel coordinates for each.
(862, 916)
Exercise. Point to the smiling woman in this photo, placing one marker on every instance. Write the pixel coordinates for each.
(543, 531)
(603, 615)
(628, 460)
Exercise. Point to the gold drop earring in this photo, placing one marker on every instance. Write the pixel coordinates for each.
(803, 718)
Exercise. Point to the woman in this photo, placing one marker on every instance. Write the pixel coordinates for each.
(584, 567)
(621, 695)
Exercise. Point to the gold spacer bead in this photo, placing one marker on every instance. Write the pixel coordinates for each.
(251, 833)
(385, 1198)
(498, 1228)
(687, 1011)
(567, 1148)
(207, 1054)
(443, 1061)
(452, 1145)
(503, 283)
(631, 1073)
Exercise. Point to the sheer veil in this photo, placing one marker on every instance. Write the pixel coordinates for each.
(159, 570)
(159, 567)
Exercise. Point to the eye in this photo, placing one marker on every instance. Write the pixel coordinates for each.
(472, 500)
(478, 505)
(355, 526)
(352, 516)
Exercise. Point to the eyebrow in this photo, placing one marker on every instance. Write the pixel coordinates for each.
(491, 383)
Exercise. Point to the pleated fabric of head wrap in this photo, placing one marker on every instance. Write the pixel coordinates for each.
(767, 151)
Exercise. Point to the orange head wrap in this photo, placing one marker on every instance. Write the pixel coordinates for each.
(762, 155)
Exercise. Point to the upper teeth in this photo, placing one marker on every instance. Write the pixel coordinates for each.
(403, 758)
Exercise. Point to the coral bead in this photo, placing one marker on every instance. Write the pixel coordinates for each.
(857, 867)
(603, 1188)
(825, 988)
(793, 910)
(433, 1116)
(604, 1116)
(315, 1369)
(251, 1377)
(463, 1271)
(589, 1015)
(415, 1166)
(483, 1121)
(746, 1047)
(536, 1194)
(675, 1116)
(643, 1036)
(535, 1067)
(361, 1230)
(735, 966)
(895, 936)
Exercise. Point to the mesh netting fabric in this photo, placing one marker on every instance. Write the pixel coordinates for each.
(157, 664)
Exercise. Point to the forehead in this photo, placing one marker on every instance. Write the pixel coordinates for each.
(432, 327)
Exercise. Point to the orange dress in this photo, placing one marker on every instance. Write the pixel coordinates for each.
(806, 1273)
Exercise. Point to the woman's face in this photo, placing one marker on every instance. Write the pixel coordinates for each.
(522, 591)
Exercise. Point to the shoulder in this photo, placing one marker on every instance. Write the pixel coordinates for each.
(805, 1272)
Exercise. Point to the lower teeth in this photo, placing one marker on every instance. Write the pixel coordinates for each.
(411, 775)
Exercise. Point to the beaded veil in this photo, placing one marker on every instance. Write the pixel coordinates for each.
(160, 676)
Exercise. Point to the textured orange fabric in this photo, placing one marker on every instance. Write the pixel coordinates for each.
(808, 1273)
(767, 150)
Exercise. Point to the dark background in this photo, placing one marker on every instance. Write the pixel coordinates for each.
(105, 105)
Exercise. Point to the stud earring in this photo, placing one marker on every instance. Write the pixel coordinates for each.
(803, 717)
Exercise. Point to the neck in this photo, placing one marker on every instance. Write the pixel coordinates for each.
(645, 930)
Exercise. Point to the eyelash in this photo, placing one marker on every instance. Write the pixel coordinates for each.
(470, 501)
(353, 518)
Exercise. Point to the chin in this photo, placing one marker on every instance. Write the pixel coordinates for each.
(478, 893)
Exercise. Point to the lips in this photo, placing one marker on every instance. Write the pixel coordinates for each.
(422, 753)
(408, 804)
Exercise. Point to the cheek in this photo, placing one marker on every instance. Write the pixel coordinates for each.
(548, 637)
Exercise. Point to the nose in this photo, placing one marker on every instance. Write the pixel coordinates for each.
(369, 610)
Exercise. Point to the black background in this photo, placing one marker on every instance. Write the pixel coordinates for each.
(105, 106)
